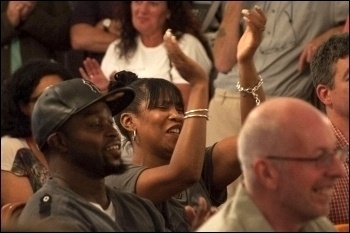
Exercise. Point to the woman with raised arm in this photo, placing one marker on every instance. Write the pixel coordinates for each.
(170, 164)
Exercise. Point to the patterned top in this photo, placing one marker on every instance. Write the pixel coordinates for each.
(339, 209)
(27, 164)
(19, 159)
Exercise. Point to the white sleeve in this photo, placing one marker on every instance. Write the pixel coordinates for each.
(108, 63)
(9, 148)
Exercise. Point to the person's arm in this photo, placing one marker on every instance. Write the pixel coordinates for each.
(184, 169)
(14, 188)
(87, 30)
(225, 44)
(310, 49)
(10, 19)
(91, 38)
(247, 46)
(225, 158)
(185, 90)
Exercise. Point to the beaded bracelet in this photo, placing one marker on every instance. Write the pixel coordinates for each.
(251, 90)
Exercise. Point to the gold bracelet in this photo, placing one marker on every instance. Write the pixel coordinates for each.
(196, 115)
(251, 90)
(197, 110)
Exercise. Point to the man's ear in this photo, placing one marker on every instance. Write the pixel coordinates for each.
(266, 174)
(57, 142)
(126, 120)
(323, 94)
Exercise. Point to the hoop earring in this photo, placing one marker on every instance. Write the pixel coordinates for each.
(134, 135)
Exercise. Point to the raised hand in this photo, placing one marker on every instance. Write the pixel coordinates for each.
(93, 73)
(188, 69)
(253, 34)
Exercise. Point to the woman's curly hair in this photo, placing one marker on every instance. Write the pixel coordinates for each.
(17, 90)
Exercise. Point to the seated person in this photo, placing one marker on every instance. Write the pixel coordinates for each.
(24, 168)
(72, 124)
(141, 49)
(170, 164)
(290, 165)
(330, 74)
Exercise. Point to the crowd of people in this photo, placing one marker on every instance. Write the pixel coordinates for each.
(108, 122)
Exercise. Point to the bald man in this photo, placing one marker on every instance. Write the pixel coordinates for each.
(290, 166)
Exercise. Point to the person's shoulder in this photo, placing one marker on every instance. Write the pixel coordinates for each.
(47, 193)
(131, 170)
(225, 219)
(320, 224)
(189, 38)
(190, 42)
(9, 150)
(53, 200)
(121, 196)
(50, 210)
(11, 142)
(127, 180)
(112, 47)
(8, 138)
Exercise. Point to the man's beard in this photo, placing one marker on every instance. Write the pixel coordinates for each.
(115, 169)
(97, 167)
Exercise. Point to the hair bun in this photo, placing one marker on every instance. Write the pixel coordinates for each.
(122, 78)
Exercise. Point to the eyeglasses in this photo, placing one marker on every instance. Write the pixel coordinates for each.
(321, 161)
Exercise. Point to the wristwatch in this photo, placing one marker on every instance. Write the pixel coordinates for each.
(106, 24)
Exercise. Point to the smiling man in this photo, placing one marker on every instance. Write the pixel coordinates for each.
(330, 75)
(290, 164)
(72, 124)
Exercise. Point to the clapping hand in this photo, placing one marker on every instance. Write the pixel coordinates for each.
(252, 35)
(188, 68)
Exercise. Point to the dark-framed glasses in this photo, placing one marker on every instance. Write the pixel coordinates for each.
(323, 160)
